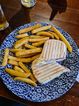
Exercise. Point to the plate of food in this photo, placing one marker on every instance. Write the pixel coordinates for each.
(39, 62)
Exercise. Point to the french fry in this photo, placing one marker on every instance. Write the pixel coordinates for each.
(27, 71)
(38, 39)
(16, 73)
(29, 46)
(24, 67)
(16, 50)
(21, 35)
(12, 62)
(20, 42)
(26, 52)
(27, 56)
(5, 59)
(55, 35)
(44, 33)
(63, 39)
(35, 57)
(18, 69)
(27, 80)
(36, 36)
(12, 58)
(38, 43)
(43, 28)
(25, 60)
(29, 28)
(30, 57)
(21, 47)
(33, 78)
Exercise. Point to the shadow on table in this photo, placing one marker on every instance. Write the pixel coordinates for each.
(6, 102)
(57, 6)
(10, 7)
(22, 17)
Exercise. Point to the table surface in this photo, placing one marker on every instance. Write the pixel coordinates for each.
(64, 14)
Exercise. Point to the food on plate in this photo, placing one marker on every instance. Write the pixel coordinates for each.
(25, 68)
(43, 28)
(13, 58)
(27, 80)
(5, 59)
(13, 62)
(33, 78)
(54, 49)
(29, 46)
(44, 33)
(16, 50)
(16, 73)
(21, 35)
(16, 68)
(20, 42)
(38, 39)
(38, 43)
(55, 35)
(45, 72)
(34, 57)
(63, 39)
(20, 59)
(35, 36)
(23, 59)
(29, 28)
(42, 47)
(26, 52)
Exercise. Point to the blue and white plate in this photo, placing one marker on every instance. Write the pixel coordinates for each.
(46, 92)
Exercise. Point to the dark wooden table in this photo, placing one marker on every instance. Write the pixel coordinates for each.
(64, 14)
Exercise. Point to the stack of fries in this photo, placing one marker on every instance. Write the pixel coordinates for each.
(27, 48)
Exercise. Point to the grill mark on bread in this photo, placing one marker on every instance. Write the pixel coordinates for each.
(41, 70)
(47, 58)
(44, 66)
(59, 54)
(51, 70)
(57, 45)
(44, 51)
(51, 46)
(53, 49)
(52, 77)
(49, 75)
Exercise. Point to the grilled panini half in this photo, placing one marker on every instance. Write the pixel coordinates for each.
(45, 71)
(54, 49)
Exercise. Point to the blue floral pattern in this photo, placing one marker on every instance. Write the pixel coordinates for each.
(52, 89)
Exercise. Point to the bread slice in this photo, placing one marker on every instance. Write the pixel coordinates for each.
(54, 49)
(45, 72)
